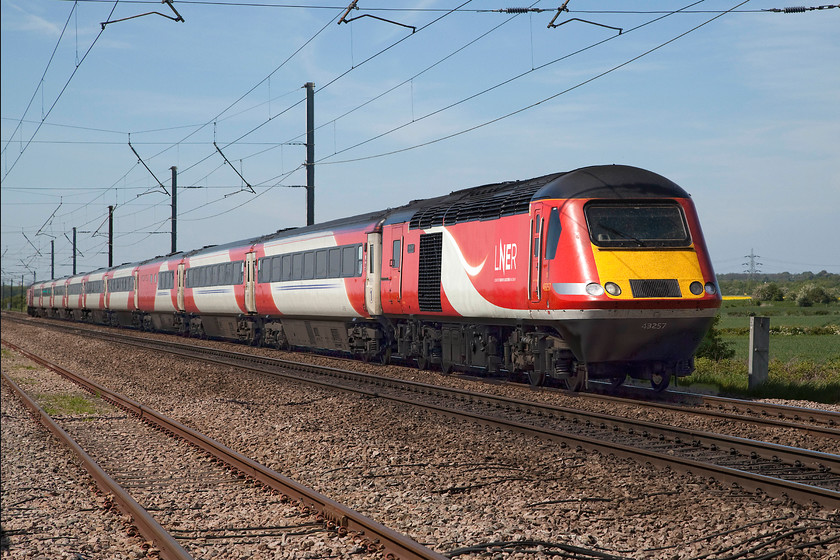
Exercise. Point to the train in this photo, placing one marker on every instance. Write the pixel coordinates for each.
(599, 273)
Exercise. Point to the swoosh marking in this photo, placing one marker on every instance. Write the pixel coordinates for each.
(471, 270)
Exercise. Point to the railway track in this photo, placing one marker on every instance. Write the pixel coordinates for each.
(806, 476)
(821, 423)
(140, 456)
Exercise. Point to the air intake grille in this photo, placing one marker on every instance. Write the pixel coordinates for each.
(431, 251)
(481, 203)
(655, 288)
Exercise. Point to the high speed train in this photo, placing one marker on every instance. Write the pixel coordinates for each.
(601, 273)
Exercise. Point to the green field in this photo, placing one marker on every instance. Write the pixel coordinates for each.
(796, 333)
(736, 314)
(820, 348)
(804, 352)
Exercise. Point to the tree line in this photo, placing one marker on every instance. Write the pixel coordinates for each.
(805, 288)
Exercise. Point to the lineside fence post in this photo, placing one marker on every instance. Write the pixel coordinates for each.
(759, 363)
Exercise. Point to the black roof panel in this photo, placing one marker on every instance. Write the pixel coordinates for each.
(610, 181)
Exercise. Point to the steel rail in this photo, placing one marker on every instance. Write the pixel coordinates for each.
(781, 410)
(821, 462)
(814, 459)
(375, 536)
(800, 492)
(150, 529)
(824, 423)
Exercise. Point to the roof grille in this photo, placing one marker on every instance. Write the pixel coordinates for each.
(655, 288)
(489, 202)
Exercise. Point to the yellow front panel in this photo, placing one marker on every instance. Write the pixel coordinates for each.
(620, 266)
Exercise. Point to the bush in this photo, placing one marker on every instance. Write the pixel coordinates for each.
(810, 294)
(768, 292)
(713, 346)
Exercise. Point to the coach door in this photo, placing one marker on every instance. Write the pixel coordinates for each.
(250, 275)
(136, 289)
(535, 268)
(179, 286)
(373, 274)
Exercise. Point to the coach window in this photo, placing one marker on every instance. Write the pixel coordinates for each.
(348, 262)
(335, 263)
(287, 267)
(321, 263)
(309, 265)
(276, 269)
(395, 256)
(297, 266)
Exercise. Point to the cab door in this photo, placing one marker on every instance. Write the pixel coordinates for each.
(536, 256)
(393, 241)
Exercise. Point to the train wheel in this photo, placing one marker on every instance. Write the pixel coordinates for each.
(618, 381)
(659, 381)
(385, 357)
(422, 362)
(445, 367)
(535, 379)
(577, 380)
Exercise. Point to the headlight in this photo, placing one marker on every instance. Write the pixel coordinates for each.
(594, 289)
(696, 288)
(612, 289)
(711, 289)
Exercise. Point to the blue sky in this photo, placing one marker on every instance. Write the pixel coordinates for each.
(741, 109)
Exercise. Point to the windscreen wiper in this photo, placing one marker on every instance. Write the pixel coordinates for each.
(621, 234)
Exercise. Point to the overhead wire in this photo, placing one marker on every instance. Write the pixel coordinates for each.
(290, 107)
(506, 82)
(43, 75)
(219, 115)
(239, 141)
(472, 10)
(198, 128)
(60, 94)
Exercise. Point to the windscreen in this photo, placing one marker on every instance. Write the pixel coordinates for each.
(636, 224)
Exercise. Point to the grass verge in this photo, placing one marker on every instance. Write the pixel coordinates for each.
(69, 405)
(795, 379)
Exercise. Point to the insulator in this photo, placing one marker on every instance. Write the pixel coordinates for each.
(517, 10)
(795, 10)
